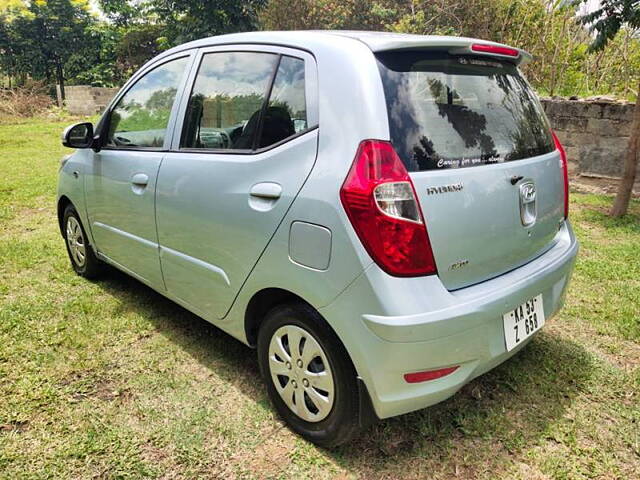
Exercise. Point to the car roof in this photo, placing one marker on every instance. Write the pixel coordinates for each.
(313, 39)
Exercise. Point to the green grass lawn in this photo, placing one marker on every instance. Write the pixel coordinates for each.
(109, 379)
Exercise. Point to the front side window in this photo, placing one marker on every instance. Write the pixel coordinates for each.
(140, 118)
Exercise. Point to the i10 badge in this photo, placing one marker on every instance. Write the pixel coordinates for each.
(523, 321)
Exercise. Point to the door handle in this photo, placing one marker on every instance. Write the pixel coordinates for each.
(267, 190)
(140, 179)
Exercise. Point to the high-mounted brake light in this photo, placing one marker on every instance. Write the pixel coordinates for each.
(381, 204)
(564, 167)
(418, 377)
(494, 49)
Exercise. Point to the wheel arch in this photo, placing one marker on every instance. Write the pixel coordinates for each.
(261, 302)
(63, 203)
(266, 299)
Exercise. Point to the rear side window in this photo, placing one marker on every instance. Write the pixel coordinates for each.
(286, 112)
(448, 111)
(226, 101)
(245, 101)
(140, 118)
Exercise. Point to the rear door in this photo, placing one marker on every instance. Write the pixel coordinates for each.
(247, 143)
(482, 159)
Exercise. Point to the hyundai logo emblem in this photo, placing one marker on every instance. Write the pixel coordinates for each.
(528, 211)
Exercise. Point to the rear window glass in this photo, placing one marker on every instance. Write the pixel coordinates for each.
(448, 111)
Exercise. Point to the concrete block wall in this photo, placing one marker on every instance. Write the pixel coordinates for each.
(594, 133)
(86, 100)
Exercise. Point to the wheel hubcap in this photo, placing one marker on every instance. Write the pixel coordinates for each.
(301, 374)
(75, 241)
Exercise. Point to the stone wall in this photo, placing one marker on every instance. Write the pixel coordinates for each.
(594, 132)
(86, 100)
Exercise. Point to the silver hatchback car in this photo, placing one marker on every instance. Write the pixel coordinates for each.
(383, 216)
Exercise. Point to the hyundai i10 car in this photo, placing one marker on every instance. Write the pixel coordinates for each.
(382, 216)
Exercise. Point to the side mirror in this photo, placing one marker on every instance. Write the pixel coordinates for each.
(79, 135)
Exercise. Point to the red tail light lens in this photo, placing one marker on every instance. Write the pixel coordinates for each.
(495, 49)
(565, 173)
(381, 203)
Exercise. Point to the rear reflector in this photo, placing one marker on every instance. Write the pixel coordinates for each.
(418, 377)
(495, 49)
(564, 167)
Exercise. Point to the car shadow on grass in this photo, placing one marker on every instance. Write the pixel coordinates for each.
(498, 415)
(493, 419)
(231, 360)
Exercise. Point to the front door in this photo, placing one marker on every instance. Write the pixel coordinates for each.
(121, 182)
(247, 145)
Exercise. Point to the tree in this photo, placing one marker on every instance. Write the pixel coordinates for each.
(606, 22)
(139, 44)
(187, 20)
(43, 35)
(59, 26)
(95, 61)
(122, 13)
(149, 26)
(11, 45)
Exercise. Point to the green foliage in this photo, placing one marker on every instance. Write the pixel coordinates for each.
(607, 20)
(150, 117)
(52, 40)
(551, 30)
(122, 13)
(187, 20)
(139, 119)
(48, 39)
(138, 44)
(41, 36)
(95, 63)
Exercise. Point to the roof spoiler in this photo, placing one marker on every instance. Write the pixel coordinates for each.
(454, 45)
(494, 50)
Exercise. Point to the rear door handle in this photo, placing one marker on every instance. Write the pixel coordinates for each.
(268, 190)
(140, 179)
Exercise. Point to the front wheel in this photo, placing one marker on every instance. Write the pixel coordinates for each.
(309, 376)
(83, 260)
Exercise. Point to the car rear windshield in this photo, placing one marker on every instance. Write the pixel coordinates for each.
(455, 111)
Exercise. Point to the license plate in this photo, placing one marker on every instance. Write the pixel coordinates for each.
(524, 321)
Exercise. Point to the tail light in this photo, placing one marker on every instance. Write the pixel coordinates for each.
(381, 204)
(565, 173)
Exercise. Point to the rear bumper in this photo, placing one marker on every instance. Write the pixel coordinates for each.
(418, 325)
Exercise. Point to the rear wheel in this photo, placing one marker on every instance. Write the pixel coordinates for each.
(309, 376)
(83, 260)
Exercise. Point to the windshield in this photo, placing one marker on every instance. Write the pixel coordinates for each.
(448, 111)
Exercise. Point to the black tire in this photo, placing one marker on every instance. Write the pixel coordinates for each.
(341, 423)
(91, 267)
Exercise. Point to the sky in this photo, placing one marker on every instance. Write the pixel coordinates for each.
(589, 6)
